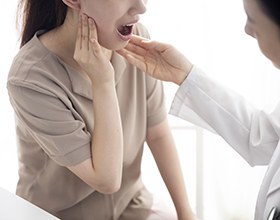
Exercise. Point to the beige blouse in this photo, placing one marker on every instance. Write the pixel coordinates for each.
(54, 124)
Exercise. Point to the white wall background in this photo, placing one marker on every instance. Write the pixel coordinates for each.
(210, 33)
(8, 48)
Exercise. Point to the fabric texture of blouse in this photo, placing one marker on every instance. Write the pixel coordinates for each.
(253, 133)
(54, 124)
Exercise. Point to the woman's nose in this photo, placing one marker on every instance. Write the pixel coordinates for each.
(138, 7)
(248, 31)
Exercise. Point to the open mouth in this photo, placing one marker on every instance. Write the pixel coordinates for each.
(125, 30)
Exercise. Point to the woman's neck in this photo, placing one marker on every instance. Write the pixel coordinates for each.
(62, 40)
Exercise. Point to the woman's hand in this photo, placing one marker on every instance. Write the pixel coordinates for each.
(159, 60)
(89, 54)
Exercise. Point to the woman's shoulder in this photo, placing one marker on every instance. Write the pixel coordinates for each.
(30, 55)
(34, 64)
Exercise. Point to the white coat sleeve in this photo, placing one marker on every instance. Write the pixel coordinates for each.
(253, 133)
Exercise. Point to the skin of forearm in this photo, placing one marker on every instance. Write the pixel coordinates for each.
(107, 139)
(163, 149)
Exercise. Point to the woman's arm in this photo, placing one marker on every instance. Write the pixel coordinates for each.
(161, 143)
(103, 171)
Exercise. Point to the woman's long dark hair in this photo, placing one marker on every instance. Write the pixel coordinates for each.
(272, 9)
(37, 15)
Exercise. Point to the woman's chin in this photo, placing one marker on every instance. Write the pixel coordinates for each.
(111, 44)
(277, 65)
(115, 46)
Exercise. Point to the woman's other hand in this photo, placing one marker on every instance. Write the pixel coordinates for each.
(159, 60)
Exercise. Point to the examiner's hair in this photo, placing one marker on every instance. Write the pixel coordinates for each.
(34, 15)
(272, 9)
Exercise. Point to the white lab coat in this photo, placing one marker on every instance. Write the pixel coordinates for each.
(253, 133)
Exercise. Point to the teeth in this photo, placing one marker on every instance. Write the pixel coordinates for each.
(125, 29)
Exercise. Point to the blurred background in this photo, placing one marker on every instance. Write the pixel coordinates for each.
(220, 184)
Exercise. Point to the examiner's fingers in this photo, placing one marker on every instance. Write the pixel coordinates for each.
(122, 52)
(148, 44)
(134, 59)
(136, 49)
(155, 46)
(125, 52)
(137, 39)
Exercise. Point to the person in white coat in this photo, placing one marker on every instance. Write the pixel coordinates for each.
(200, 100)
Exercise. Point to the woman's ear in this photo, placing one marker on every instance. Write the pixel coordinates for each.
(74, 4)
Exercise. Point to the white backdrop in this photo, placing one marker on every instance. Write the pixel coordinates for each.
(210, 33)
(8, 45)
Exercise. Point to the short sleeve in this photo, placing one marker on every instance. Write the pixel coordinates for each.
(156, 110)
(53, 124)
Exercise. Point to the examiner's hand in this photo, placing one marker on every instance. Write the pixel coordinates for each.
(159, 60)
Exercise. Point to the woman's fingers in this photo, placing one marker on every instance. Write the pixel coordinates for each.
(86, 40)
(79, 33)
(92, 29)
(82, 39)
(85, 32)
(93, 38)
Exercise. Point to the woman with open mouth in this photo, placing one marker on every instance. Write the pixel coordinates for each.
(83, 114)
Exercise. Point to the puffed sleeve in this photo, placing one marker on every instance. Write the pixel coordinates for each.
(156, 109)
(53, 123)
(253, 133)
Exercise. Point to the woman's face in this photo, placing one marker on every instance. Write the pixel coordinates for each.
(264, 30)
(115, 19)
